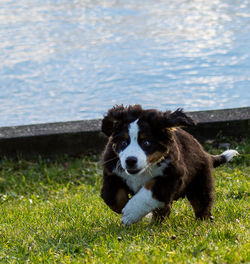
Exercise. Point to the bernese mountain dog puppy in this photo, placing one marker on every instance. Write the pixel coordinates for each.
(149, 162)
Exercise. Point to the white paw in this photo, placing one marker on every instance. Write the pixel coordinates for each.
(138, 206)
(130, 216)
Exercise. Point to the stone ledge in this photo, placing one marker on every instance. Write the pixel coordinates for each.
(46, 129)
(85, 136)
(223, 115)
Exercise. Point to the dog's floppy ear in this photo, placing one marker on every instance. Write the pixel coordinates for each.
(177, 118)
(118, 115)
(110, 120)
(168, 119)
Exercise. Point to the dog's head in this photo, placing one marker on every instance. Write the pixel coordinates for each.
(140, 137)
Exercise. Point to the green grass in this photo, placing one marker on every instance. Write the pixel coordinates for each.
(51, 212)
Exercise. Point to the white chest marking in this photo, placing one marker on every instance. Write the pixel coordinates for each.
(137, 181)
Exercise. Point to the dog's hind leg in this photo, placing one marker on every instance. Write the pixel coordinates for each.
(201, 195)
(202, 209)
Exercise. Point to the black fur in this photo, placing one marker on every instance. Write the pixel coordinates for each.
(189, 173)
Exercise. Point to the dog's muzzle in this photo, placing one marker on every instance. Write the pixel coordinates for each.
(131, 165)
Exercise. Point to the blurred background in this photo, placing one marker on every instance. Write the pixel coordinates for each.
(66, 60)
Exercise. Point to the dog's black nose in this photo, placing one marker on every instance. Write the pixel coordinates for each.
(131, 161)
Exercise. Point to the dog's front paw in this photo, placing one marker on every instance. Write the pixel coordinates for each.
(138, 206)
(130, 216)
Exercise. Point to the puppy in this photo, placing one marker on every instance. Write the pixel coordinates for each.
(149, 162)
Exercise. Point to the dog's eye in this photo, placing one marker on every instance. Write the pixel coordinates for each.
(146, 143)
(124, 144)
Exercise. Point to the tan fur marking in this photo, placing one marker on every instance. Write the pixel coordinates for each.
(121, 200)
(114, 146)
(158, 156)
(150, 184)
(155, 157)
(170, 129)
(126, 135)
(114, 149)
(142, 136)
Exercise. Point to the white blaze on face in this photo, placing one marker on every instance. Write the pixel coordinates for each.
(133, 149)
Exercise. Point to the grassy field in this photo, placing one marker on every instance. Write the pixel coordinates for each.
(51, 212)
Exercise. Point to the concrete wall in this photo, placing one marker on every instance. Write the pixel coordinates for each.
(81, 137)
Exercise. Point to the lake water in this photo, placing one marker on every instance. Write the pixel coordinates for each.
(70, 60)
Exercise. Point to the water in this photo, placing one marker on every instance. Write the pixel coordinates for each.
(70, 60)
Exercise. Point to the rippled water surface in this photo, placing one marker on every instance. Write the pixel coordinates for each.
(69, 60)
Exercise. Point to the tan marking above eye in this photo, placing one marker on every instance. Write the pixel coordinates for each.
(142, 136)
(126, 136)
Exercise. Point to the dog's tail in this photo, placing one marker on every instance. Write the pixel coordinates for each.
(224, 157)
